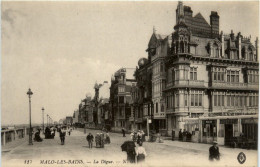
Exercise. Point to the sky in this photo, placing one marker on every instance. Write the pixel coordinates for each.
(60, 49)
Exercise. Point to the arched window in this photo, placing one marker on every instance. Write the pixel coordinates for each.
(182, 47)
(215, 50)
(162, 108)
(243, 53)
(250, 54)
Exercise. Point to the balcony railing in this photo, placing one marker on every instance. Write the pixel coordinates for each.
(131, 119)
(186, 83)
(233, 85)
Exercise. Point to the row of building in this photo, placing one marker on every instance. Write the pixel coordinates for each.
(196, 79)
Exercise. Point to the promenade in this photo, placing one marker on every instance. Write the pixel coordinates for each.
(75, 152)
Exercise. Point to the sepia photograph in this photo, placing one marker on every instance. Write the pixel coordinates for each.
(129, 83)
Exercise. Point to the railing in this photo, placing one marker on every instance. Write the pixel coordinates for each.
(10, 135)
(131, 119)
(237, 85)
(189, 83)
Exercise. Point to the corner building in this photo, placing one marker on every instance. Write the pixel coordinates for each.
(211, 79)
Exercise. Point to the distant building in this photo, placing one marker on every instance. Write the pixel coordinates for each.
(203, 81)
(76, 117)
(69, 120)
(103, 105)
(143, 76)
(120, 96)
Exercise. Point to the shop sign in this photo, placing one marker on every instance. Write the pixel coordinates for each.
(228, 121)
(249, 121)
(209, 121)
(191, 121)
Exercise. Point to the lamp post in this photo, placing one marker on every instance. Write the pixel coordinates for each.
(30, 93)
(42, 120)
(47, 120)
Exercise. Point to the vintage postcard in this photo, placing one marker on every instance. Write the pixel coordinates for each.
(129, 83)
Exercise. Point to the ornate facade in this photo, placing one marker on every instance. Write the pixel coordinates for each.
(207, 73)
(201, 78)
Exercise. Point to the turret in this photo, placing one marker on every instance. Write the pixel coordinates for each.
(222, 44)
(256, 47)
(214, 23)
(239, 46)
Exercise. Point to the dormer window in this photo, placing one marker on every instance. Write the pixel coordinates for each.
(250, 55)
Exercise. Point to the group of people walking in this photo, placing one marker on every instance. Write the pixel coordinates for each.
(135, 154)
(138, 136)
(184, 135)
(100, 139)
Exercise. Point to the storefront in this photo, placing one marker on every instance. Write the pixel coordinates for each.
(192, 126)
(250, 129)
(228, 129)
(209, 130)
(223, 129)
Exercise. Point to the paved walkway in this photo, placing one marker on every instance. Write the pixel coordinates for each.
(169, 153)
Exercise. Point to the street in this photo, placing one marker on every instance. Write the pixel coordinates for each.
(75, 152)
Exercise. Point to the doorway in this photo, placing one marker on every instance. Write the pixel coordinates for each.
(228, 134)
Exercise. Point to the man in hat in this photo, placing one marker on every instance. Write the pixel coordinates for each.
(214, 151)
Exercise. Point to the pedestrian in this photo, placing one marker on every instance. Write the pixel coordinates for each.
(139, 137)
(132, 136)
(140, 153)
(107, 138)
(129, 147)
(143, 136)
(62, 136)
(90, 139)
(98, 140)
(180, 135)
(123, 131)
(214, 152)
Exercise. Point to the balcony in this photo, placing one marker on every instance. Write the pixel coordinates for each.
(236, 86)
(186, 83)
(160, 74)
(131, 119)
(139, 120)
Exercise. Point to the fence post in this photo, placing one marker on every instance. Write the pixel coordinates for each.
(4, 136)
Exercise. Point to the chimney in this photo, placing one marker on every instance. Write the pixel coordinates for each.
(232, 35)
(222, 45)
(214, 23)
(239, 46)
(256, 47)
(179, 12)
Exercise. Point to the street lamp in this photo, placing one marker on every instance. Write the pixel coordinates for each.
(29, 93)
(42, 120)
(47, 120)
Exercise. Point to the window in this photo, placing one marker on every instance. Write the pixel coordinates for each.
(193, 73)
(253, 99)
(176, 100)
(196, 98)
(185, 99)
(228, 100)
(218, 74)
(121, 89)
(121, 99)
(232, 76)
(253, 76)
(162, 108)
(177, 72)
(219, 99)
(156, 108)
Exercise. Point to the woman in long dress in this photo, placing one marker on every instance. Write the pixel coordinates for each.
(140, 153)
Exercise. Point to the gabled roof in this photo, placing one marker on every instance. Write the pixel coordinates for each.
(201, 20)
(155, 38)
